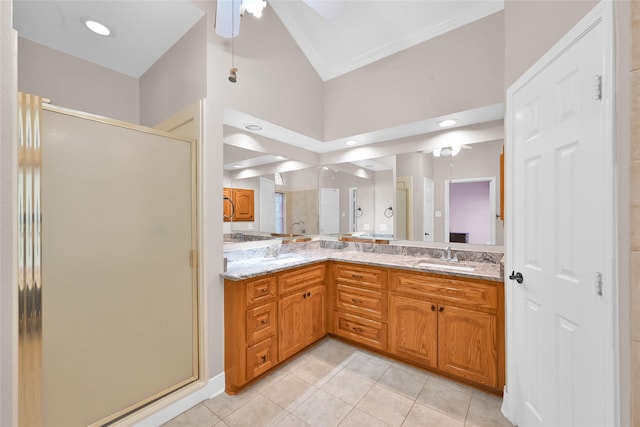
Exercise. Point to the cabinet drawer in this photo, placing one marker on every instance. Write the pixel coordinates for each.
(261, 322)
(360, 275)
(474, 293)
(261, 290)
(361, 301)
(301, 278)
(365, 331)
(261, 357)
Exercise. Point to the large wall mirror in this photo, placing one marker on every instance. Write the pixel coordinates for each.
(354, 197)
(281, 193)
(439, 187)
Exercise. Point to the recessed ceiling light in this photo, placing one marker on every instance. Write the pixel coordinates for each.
(446, 123)
(351, 143)
(97, 27)
(281, 158)
(253, 127)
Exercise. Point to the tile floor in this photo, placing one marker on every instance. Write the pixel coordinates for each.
(335, 384)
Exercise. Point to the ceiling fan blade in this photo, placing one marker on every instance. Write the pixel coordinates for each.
(328, 9)
(228, 18)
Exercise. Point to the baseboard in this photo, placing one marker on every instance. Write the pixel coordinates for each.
(160, 415)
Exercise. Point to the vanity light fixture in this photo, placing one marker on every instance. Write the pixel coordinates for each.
(237, 166)
(351, 142)
(446, 123)
(97, 27)
(253, 127)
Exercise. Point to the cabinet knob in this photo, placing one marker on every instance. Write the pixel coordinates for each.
(357, 329)
(308, 294)
(263, 322)
(264, 290)
(263, 359)
(441, 310)
(433, 308)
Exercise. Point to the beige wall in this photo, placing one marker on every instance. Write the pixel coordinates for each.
(77, 84)
(177, 79)
(634, 166)
(425, 81)
(275, 80)
(531, 27)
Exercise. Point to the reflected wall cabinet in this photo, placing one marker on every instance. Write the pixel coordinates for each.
(238, 204)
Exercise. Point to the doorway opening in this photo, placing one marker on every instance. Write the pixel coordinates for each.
(470, 211)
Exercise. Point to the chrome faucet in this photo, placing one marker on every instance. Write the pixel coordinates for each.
(448, 257)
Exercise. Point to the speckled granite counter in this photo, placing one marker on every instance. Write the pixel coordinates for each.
(249, 263)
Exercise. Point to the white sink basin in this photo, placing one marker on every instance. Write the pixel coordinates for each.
(283, 260)
(451, 267)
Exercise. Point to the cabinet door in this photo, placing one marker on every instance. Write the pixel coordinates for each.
(243, 200)
(413, 330)
(291, 315)
(316, 326)
(227, 201)
(468, 344)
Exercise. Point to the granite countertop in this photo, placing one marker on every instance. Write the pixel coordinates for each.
(253, 266)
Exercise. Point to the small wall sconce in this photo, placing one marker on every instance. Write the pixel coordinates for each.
(389, 212)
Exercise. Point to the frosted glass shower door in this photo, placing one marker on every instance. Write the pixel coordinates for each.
(119, 290)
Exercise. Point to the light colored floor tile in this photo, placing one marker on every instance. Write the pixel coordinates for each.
(224, 404)
(322, 410)
(486, 413)
(292, 421)
(408, 382)
(199, 415)
(289, 392)
(450, 401)
(348, 387)
(315, 371)
(359, 418)
(368, 366)
(335, 353)
(386, 405)
(259, 411)
(421, 416)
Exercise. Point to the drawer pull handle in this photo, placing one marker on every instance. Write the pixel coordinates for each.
(264, 290)
(357, 276)
(263, 322)
(357, 329)
(356, 301)
(263, 359)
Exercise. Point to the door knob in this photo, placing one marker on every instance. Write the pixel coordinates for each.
(517, 277)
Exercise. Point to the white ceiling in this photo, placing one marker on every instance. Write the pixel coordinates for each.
(374, 29)
(145, 29)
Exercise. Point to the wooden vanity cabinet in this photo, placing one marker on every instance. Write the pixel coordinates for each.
(413, 331)
(301, 309)
(250, 314)
(450, 324)
(360, 305)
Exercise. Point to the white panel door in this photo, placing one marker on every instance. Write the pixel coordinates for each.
(267, 205)
(560, 202)
(329, 211)
(428, 210)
